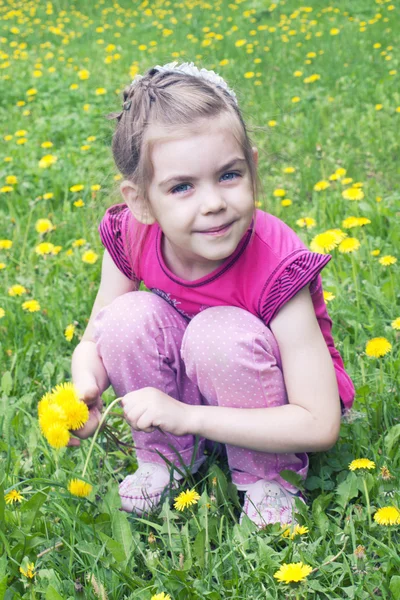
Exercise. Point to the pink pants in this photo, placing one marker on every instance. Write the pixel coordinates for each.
(224, 356)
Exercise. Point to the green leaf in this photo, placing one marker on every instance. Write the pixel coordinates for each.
(122, 533)
(392, 438)
(31, 508)
(199, 545)
(293, 478)
(115, 548)
(348, 489)
(52, 594)
(319, 507)
(2, 505)
(3, 587)
(394, 587)
(6, 383)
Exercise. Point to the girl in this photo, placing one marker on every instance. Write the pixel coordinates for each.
(232, 343)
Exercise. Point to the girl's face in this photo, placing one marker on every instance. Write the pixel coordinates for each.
(200, 182)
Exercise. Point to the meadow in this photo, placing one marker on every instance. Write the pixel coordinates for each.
(318, 84)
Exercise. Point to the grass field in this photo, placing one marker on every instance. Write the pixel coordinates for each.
(319, 87)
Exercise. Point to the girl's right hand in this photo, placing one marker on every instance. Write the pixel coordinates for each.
(90, 394)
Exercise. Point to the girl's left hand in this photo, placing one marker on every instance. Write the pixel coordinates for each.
(149, 408)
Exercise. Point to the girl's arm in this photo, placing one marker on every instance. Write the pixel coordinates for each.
(88, 372)
(311, 420)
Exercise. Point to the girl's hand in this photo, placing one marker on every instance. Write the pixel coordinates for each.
(149, 408)
(90, 394)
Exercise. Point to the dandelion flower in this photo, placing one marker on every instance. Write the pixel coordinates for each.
(292, 572)
(5, 244)
(29, 571)
(16, 290)
(79, 203)
(78, 243)
(279, 193)
(359, 552)
(76, 188)
(162, 596)
(47, 160)
(13, 497)
(44, 248)
(44, 225)
(326, 241)
(378, 347)
(2, 313)
(328, 296)
(396, 323)
(64, 393)
(349, 245)
(186, 499)
(307, 222)
(387, 260)
(298, 530)
(321, 185)
(31, 306)
(79, 488)
(69, 332)
(57, 435)
(77, 414)
(361, 463)
(49, 414)
(388, 515)
(90, 257)
(289, 170)
(355, 222)
(353, 193)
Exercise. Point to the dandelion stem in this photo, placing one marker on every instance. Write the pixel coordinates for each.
(367, 500)
(113, 403)
(353, 264)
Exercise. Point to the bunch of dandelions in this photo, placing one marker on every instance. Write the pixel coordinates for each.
(61, 411)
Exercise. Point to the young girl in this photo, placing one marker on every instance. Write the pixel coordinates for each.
(232, 343)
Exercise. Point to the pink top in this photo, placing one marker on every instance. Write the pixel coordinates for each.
(260, 276)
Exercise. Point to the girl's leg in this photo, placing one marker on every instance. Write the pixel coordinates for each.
(234, 360)
(138, 336)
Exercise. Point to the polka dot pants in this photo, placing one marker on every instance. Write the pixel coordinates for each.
(224, 356)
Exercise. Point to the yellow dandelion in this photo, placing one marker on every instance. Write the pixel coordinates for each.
(79, 243)
(79, 203)
(292, 572)
(16, 290)
(11, 179)
(296, 99)
(2, 265)
(307, 222)
(79, 488)
(340, 172)
(186, 499)
(387, 260)
(46, 144)
(321, 185)
(5, 244)
(44, 248)
(289, 170)
(361, 463)
(2, 313)
(396, 324)
(326, 241)
(162, 596)
(48, 196)
(378, 347)
(57, 435)
(47, 160)
(100, 91)
(286, 202)
(31, 306)
(272, 123)
(353, 193)
(328, 296)
(249, 74)
(83, 74)
(89, 257)
(29, 571)
(349, 245)
(64, 393)
(298, 530)
(13, 496)
(351, 222)
(50, 414)
(69, 332)
(95, 187)
(76, 188)
(388, 515)
(44, 225)
(279, 193)
(77, 414)
(375, 252)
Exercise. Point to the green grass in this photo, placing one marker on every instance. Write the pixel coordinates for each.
(202, 552)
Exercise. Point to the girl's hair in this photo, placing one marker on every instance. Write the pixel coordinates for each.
(179, 103)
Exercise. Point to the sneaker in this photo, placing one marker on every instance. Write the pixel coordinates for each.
(267, 502)
(141, 492)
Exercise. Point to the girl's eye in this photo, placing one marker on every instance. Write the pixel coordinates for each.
(178, 188)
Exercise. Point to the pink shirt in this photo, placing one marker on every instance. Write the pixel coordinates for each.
(261, 275)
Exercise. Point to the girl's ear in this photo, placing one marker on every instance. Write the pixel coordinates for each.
(136, 204)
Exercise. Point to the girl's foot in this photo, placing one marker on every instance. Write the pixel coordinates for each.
(267, 502)
(141, 492)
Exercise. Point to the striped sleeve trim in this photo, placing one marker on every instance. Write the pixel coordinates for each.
(111, 235)
(302, 271)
